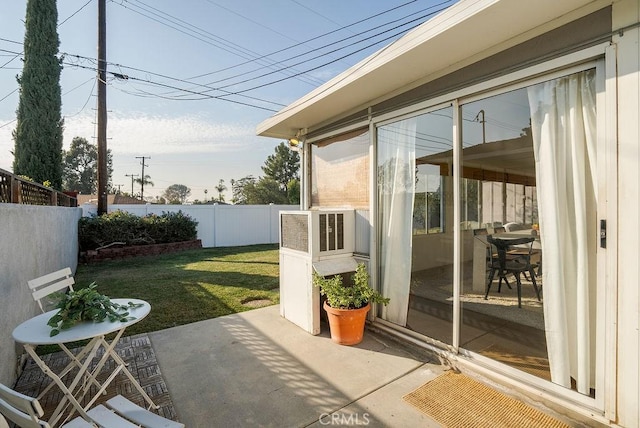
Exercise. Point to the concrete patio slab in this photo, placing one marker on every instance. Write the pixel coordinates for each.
(258, 369)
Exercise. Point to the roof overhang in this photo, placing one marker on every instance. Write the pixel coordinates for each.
(466, 32)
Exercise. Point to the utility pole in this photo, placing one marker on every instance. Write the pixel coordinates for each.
(132, 176)
(484, 130)
(119, 185)
(103, 177)
(142, 177)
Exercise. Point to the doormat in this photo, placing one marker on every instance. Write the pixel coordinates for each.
(137, 353)
(455, 400)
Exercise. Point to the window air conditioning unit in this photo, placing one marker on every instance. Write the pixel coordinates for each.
(321, 241)
(319, 233)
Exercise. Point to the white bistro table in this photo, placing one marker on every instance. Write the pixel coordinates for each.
(35, 331)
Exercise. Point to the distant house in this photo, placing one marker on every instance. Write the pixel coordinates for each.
(492, 113)
(114, 199)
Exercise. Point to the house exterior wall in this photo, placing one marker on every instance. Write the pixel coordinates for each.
(36, 240)
(621, 270)
(627, 235)
(604, 34)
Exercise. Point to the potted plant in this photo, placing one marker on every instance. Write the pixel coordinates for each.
(347, 305)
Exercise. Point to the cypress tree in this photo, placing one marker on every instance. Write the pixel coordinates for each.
(38, 133)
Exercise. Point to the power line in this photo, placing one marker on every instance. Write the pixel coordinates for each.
(287, 69)
(204, 93)
(329, 33)
(214, 40)
(95, 81)
(338, 49)
(166, 86)
(9, 94)
(74, 13)
(347, 75)
(273, 82)
(8, 123)
(315, 12)
(326, 46)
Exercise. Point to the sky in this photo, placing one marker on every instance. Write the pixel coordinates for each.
(189, 81)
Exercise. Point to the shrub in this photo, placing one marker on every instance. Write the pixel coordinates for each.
(129, 229)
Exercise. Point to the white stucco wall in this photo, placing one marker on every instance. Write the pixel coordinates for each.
(34, 240)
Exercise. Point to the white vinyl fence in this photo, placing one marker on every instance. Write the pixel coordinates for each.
(218, 225)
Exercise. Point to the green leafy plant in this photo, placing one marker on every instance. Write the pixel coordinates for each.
(86, 304)
(349, 296)
(130, 229)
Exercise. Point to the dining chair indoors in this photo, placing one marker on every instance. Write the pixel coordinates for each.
(504, 265)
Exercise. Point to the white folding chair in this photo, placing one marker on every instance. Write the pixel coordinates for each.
(122, 413)
(21, 409)
(118, 412)
(46, 285)
(42, 288)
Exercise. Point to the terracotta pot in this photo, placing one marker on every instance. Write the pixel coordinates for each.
(347, 325)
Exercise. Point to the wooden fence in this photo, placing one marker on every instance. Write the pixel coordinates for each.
(17, 190)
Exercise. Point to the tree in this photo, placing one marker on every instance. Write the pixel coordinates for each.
(220, 188)
(176, 194)
(281, 184)
(80, 166)
(264, 191)
(283, 166)
(38, 133)
(293, 192)
(146, 180)
(237, 189)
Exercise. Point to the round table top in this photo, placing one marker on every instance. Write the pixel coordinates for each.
(35, 331)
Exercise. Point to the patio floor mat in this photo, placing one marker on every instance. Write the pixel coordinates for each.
(455, 400)
(137, 353)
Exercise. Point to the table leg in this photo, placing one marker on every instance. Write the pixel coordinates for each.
(125, 370)
(68, 395)
(75, 361)
(121, 366)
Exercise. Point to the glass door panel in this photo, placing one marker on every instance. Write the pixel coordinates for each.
(527, 202)
(497, 201)
(423, 192)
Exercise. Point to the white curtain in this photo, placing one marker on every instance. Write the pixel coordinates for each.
(563, 121)
(396, 175)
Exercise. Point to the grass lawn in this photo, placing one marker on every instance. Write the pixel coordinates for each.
(189, 286)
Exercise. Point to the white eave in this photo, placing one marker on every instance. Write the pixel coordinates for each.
(466, 30)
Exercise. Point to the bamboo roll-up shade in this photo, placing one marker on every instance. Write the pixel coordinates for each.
(340, 171)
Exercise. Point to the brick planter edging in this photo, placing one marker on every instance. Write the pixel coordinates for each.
(116, 253)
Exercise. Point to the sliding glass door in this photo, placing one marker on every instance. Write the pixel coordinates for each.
(527, 174)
